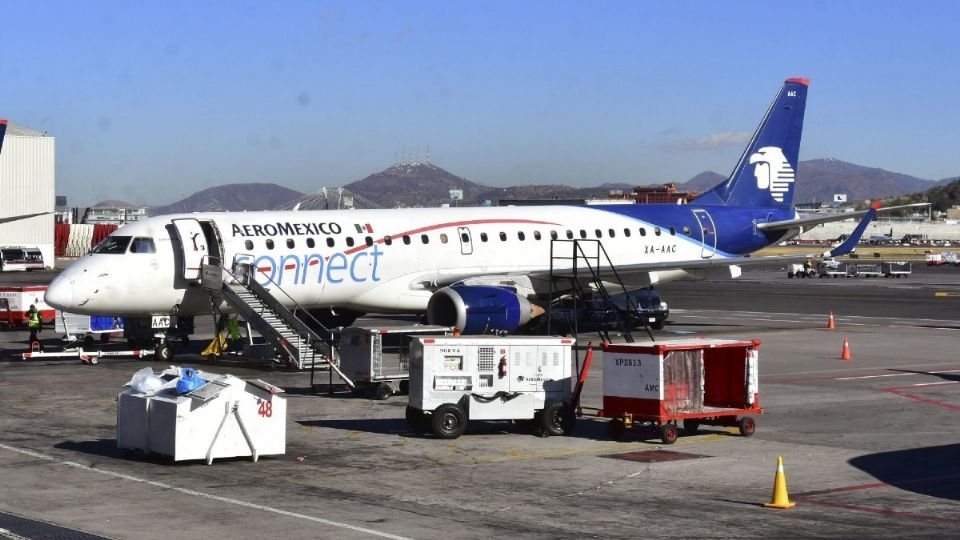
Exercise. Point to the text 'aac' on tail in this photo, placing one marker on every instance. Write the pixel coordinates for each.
(765, 176)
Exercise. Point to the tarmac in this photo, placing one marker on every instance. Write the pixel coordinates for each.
(869, 446)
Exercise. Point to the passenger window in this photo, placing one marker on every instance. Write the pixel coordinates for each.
(368, 241)
(503, 237)
(643, 232)
(483, 237)
(536, 235)
(569, 234)
(290, 243)
(349, 241)
(310, 243)
(248, 244)
(656, 231)
(425, 239)
(443, 238)
(686, 230)
(388, 240)
(406, 240)
(553, 235)
(626, 232)
(331, 242)
(583, 233)
(673, 231)
(521, 236)
(269, 243)
(613, 233)
(465, 238)
(598, 233)
(142, 245)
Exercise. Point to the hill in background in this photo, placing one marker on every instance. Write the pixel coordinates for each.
(231, 198)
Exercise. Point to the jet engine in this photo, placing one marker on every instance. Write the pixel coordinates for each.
(480, 309)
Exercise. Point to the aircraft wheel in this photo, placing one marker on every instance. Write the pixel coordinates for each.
(163, 352)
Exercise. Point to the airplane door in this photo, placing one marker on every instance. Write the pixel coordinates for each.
(466, 241)
(193, 244)
(708, 233)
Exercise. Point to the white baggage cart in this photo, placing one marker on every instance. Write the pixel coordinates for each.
(226, 417)
(377, 359)
(455, 379)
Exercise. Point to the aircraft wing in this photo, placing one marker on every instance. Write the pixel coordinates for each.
(627, 271)
(808, 222)
(24, 216)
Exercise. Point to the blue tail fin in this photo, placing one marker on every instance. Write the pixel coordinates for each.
(765, 174)
(3, 131)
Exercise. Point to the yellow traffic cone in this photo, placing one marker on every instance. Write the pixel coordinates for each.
(780, 497)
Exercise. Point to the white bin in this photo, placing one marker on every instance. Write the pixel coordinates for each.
(227, 417)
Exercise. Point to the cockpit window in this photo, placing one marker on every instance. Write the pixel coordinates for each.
(142, 245)
(113, 244)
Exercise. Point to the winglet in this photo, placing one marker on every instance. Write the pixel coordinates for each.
(852, 240)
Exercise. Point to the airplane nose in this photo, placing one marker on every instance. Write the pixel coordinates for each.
(59, 294)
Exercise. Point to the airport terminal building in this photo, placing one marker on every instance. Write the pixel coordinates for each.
(27, 187)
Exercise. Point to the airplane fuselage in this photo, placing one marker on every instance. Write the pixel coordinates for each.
(389, 260)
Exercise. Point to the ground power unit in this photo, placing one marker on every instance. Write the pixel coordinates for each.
(455, 379)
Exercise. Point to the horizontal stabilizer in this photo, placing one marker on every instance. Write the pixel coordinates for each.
(819, 220)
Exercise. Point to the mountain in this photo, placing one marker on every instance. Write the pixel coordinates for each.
(414, 184)
(819, 179)
(231, 197)
(945, 195)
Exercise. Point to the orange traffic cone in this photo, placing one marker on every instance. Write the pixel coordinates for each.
(845, 353)
(780, 499)
(830, 324)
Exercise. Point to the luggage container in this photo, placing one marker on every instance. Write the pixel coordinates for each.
(866, 270)
(831, 269)
(15, 302)
(896, 269)
(377, 360)
(455, 379)
(76, 328)
(699, 382)
(224, 417)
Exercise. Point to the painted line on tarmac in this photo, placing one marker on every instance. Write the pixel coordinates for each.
(900, 391)
(196, 493)
(896, 375)
(808, 497)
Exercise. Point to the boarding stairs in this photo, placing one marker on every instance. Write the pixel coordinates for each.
(579, 262)
(286, 329)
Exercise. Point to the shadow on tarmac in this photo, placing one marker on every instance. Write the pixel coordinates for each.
(951, 377)
(933, 471)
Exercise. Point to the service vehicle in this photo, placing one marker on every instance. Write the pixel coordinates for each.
(694, 381)
(896, 269)
(800, 271)
(33, 259)
(12, 259)
(377, 359)
(831, 268)
(15, 303)
(456, 379)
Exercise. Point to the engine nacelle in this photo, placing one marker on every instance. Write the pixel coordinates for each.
(480, 309)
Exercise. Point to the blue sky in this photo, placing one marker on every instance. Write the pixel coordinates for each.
(152, 102)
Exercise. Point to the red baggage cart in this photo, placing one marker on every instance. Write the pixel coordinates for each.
(696, 381)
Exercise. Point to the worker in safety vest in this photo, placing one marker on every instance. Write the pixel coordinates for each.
(34, 324)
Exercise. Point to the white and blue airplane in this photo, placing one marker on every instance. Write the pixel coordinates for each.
(481, 269)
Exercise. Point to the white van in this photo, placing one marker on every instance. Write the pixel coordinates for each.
(13, 259)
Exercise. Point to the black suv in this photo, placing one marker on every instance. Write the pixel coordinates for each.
(651, 309)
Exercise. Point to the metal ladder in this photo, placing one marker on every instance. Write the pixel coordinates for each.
(280, 326)
(584, 265)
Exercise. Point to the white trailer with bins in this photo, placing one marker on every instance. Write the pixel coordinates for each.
(456, 379)
(896, 269)
(377, 360)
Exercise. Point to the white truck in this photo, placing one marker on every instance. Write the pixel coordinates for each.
(455, 379)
